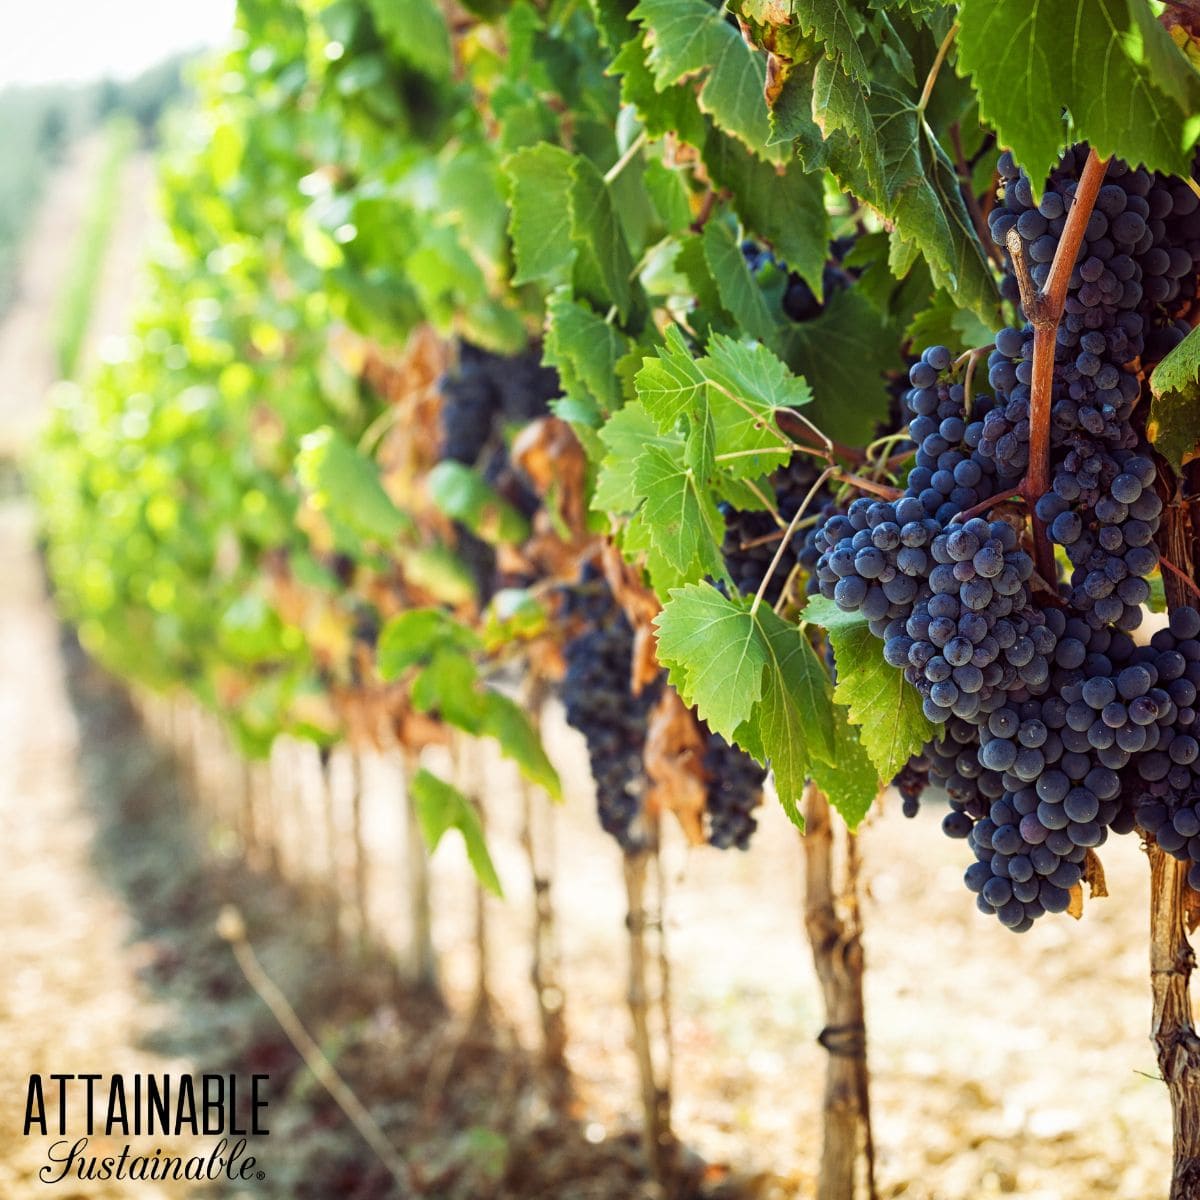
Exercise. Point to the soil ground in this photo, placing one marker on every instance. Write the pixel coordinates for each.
(1003, 1066)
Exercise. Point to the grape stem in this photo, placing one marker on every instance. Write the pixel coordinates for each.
(786, 539)
(1186, 580)
(1043, 308)
(931, 78)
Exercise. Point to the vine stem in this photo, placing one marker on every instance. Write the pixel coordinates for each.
(786, 539)
(232, 929)
(833, 922)
(630, 153)
(1172, 958)
(1043, 309)
(931, 78)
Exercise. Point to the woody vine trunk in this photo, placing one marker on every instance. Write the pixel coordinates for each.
(833, 922)
(1172, 957)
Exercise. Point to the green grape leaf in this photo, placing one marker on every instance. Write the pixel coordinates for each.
(414, 636)
(541, 185)
(878, 699)
(687, 37)
(837, 26)
(1100, 60)
(682, 517)
(604, 265)
(662, 110)
(670, 384)
(440, 807)
(881, 148)
(1174, 421)
(749, 385)
(843, 354)
(462, 495)
(417, 33)
(740, 294)
(784, 207)
(794, 725)
(850, 782)
(346, 484)
(669, 195)
(586, 350)
(505, 721)
(513, 615)
(943, 323)
(625, 434)
(438, 571)
(715, 654)
(752, 677)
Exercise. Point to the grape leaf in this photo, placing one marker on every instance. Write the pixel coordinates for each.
(687, 37)
(739, 293)
(878, 698)
(714, 653)
(662, 110)
(604, 265)
(541, 184)
(843, 354)
(683, 519)
(625, 435)
(752, 677)
(784, 207)
(1174, 422)
(441, 807)
(507, 722)
(346, 485)
(881, 148)
(671, 384)
(837, 25)
(586, 349)
(462, 495)
(669, 195)
(417, 33)
(413, 637)
(1095, 58)
(793, 726)
(850, 782)
(750, 384)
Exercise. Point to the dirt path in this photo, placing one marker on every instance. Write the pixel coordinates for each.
(70, 1001)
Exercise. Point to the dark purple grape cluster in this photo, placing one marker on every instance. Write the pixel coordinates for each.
(1164, 782)
(1057, 727)
(486, 391)
(1110, 541)
(735, 790)
(597, 695)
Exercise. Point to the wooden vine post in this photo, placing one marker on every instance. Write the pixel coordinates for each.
(833, 922)
(421, 964)
(538, 842)
(1172, 957)
(643, 925)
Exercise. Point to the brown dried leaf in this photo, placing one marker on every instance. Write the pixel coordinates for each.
(1075, 908)
(675, 765)
(548, 451)
(1191, 909)
(645, 668)
(1093, 874)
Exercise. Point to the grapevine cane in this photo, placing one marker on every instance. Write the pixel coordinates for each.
(657, 1135)
(1172, 958)
(836, 940)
